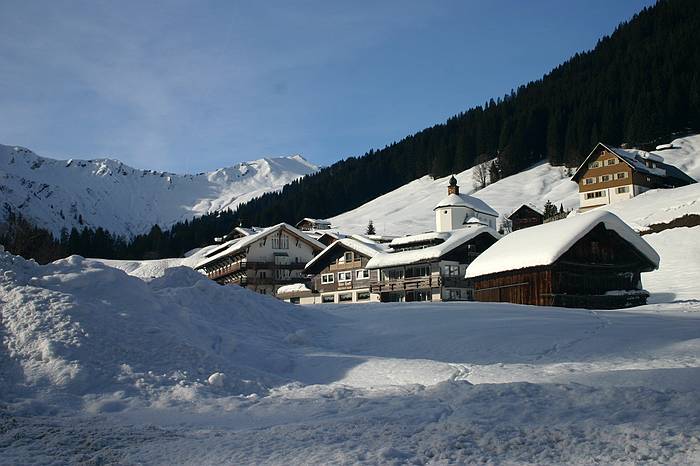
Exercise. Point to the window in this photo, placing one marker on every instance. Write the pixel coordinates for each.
(348, 256)
(344, 276)
(454, 295)
(362, 295)
(611, 162)
(327, 298)
(623, 189)
(280, 242)
(281, 274)
(326, 278)
(418, 271)
(392, 274)
(262, 273)
(595, 194)
(604, 178)
(589, 181)
(595, 164)
(620, 175)
(362, 274)
(451, 270)
(262, 291)
(345, 297)
(281, 260)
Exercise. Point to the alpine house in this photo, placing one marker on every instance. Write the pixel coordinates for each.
(262, 261)
(591, 260)
(431, 266)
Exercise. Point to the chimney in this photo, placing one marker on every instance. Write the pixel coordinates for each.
(453, 188)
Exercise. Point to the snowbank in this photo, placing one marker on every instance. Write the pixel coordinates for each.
(79, 328)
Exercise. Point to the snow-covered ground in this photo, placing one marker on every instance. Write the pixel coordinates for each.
(409, 209)
(97, 366)
(105, 193)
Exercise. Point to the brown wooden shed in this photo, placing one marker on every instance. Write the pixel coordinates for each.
(592, 260)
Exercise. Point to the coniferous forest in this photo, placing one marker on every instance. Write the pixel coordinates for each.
(639, 85)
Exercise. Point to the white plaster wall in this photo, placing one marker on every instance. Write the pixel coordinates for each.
(614, 197)
(264, 253)
(583, 202)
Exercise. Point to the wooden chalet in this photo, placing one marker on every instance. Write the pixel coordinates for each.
(592, 260)
(340, 273)
(430, 266)
(611, 174)
(262, 261)
(310, 224)
(527, 215)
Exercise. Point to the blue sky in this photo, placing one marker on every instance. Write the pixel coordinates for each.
(189, 86)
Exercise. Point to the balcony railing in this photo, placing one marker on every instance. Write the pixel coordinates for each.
(242, 266)
(403, 284)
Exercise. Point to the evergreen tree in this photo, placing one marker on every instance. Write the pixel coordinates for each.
(370, 228)
(550, 210)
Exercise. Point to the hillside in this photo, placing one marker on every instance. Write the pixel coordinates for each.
(57, 194)
(638, 85)
(409, 209)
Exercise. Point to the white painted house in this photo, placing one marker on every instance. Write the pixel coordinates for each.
(454, 210)
(263, 261)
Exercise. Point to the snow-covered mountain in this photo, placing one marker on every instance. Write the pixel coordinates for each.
(58, 194)
(409, 209)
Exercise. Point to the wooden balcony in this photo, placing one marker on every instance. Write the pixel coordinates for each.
(415, 283)
(356, 264)
(242, 266)
(227, 270)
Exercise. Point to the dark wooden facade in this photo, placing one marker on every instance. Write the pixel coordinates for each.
(525, 216)
(408, 288)
(335, 261)
(600, 271)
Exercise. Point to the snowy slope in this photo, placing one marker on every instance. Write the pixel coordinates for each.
(97, 367)
(409, 209)
(55, 194)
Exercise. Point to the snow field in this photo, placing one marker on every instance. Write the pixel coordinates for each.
(409, 209)
(98, 366)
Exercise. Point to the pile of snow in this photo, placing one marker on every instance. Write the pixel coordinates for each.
(105, 193)
(78, 328)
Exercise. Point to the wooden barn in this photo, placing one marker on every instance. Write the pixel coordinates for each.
(593, 260)
(527, 215)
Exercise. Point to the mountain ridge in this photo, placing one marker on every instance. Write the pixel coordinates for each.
(103, 192)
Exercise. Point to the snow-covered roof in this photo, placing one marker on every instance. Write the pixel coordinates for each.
(544, 244)
(529, 205)
(455, 239)
(367, 249)
(634, 158)
(293, 288)
(420, 238)
(315, 221)
(241, 243)
(464, 200)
